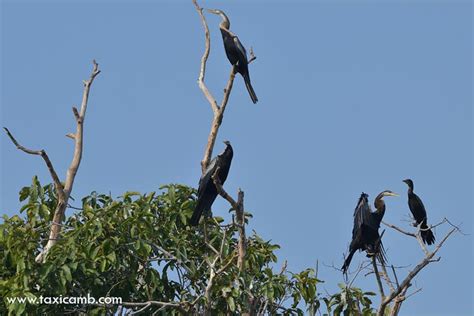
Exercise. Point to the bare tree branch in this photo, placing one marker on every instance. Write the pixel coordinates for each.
(205, 56)
(242, 245)
(386, 277)
(377, 276)
(181, 306)
(239, 210)
(221, 191)
(395, 276)
(399, 229)
(57, 183)
(144, 308)
(218, 110)
(74, 166)
(400, 291)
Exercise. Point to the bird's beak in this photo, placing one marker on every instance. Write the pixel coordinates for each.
(392, 194)
(211, 11)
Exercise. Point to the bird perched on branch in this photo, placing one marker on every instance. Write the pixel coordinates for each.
(419, 213)
(207, 191)
(235, 52)
(365, 234)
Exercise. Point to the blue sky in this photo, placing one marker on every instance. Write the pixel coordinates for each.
(353, 97)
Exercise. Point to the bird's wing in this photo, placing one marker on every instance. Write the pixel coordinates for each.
(417, 208)
(361, 214)
(207, 176)
(240, 48)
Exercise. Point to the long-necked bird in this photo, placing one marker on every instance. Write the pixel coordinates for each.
(207, 191)
(365, 234)
(419, 213)
(235, 52)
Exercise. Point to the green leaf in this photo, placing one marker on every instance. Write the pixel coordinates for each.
(231, 303)
(67, 273)
(24, 193)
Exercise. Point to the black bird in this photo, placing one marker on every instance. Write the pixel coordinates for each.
(365, 234)
(207, 191)
(235, 52)
(419, 213)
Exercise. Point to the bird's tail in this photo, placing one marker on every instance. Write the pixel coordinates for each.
(347, 262)
(427, 235)
(194, 221)
(252, 94)
(381, 256)
(380, 250)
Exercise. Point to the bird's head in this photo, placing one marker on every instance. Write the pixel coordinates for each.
(227, 143)
(409, 182)
(215, 11)
(225, 20)
(387, 193)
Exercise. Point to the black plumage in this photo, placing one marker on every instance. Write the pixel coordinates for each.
(207, 191)
(365, 234)
(235, 52)
(419, 213)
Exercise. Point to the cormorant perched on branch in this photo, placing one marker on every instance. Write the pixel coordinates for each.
(419, 213)
(365, 234)
(207, 191)
(235, 52)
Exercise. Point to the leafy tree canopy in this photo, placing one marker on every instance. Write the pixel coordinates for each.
(140, 248)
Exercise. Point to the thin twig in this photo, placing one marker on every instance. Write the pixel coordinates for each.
(386, 277)
(377, 276)
(395, 275)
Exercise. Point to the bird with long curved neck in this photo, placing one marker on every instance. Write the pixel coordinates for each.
(365, 234)
(207, 191)
(235, 51)
(419, 213)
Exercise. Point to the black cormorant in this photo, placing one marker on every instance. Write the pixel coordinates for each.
(207, 191)
(235, 52)
(419, 213)
(365, 234)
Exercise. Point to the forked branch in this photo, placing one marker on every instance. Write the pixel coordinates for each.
(399, 294)
(218, 110)
(63, 192)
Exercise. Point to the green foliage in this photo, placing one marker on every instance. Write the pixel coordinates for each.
(350, 301)
(140, 248)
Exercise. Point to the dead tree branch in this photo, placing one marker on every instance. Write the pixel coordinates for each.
(63, 192)
(377, 276)
(399, 229)
(57, 183)
(218, 110)
(398, 296)
(386, 277)
(181, 306)
(239, 210)
(74, 166)
(242, 238)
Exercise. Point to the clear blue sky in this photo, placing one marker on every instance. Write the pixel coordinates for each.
(353, 97)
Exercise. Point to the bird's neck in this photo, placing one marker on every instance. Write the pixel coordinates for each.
(379, 205)
(229, 152)
(410, 190)
(225, 24)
